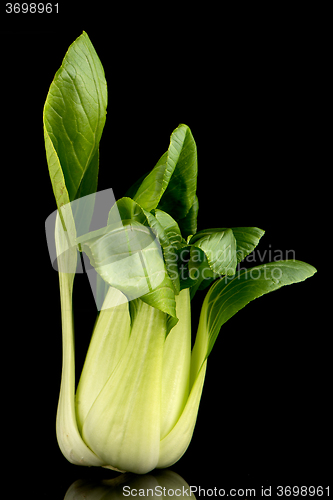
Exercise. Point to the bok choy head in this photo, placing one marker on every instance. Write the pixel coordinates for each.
(136, 403)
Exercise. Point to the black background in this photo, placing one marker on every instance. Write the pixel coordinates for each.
(252, 90)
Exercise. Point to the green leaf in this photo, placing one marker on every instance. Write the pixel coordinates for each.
(225, 247)
(247, 238)
(130, 210)
(188, 225)
(228, 295)
(219, 246)
(172, 183)
(153, 185)
(129, 259)
(171, 229)
(168, 237)
(195, 272)
(74, 117)
(199, 270)
(182, 171)
(163, 298)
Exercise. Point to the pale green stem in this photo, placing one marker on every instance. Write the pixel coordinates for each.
(69, 439)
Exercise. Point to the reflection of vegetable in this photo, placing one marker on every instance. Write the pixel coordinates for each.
(165, 483)
(138, 396)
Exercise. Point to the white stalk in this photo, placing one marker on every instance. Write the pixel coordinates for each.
(123, 424)
(176, 365)
(107, 345)
(69, 439)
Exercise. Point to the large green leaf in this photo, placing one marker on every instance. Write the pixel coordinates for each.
(247, 238)
(213, 253)
(129, 258)
(171, 228)
(74, 117)
(172, 183)
(164, 227)
(168, 239)
(194, 269)
(182, 166)
(228, 295)
(150, 190)
(127, 209)
(223, 249)
(220, 250)
(188, 225)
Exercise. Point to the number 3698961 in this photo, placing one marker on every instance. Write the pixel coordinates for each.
(32, 8)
